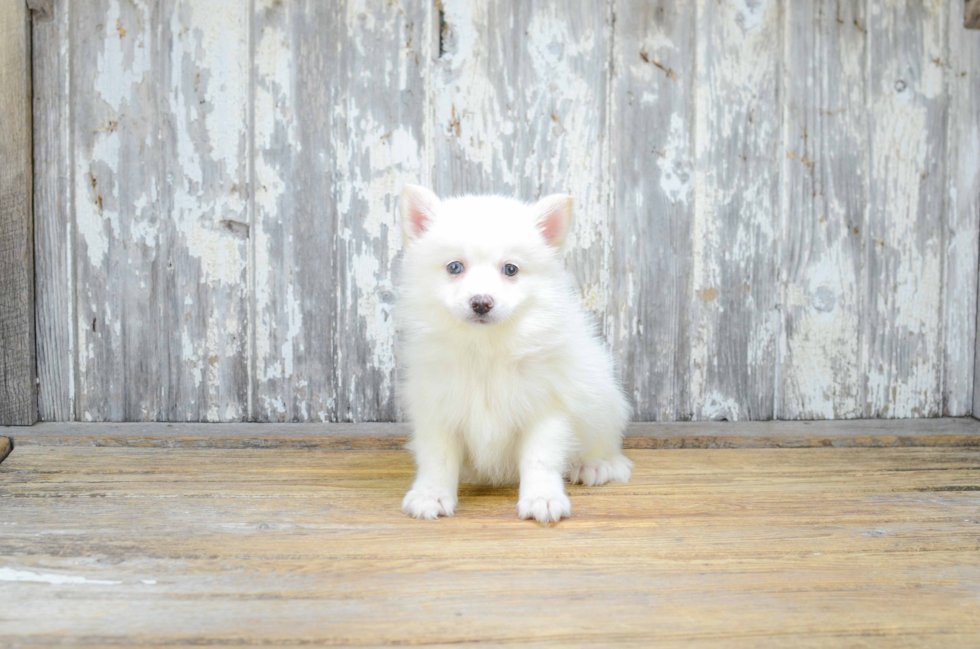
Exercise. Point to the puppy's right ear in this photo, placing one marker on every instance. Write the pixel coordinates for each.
(418, 209)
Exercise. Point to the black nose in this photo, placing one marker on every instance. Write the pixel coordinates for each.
(481, 303)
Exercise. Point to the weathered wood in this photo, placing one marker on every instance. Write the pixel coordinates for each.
(148, 547)
(18, 392)
(754, 243)
(734, 319)
(960, 385)
(53, 227)
(851, 433)
(826, 191)
(338, 130)
(651, 211)
(518, 96)
(971, 14)
(5, 447)
(160, 158)
(905, 245)
(293, 222)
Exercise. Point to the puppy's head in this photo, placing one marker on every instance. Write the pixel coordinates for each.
(480, 259)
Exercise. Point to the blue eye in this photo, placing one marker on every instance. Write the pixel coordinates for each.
(510, 270)
(454, 268)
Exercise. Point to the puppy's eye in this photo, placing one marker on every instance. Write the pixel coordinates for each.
(454, 267)
(510, 270)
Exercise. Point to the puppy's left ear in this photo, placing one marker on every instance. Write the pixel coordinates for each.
(554, 216)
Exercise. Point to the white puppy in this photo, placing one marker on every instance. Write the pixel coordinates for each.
(501, 374)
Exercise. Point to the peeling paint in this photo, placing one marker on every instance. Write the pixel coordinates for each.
(123, 62)
(963, 221)
(736, 209)
(11, 574)
(235, 180)
(675, 175)
(903, 322)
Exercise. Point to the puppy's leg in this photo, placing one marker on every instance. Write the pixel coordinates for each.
(542, 493)
(433, 494)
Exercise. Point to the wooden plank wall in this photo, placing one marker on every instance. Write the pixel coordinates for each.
(18, 390)
(777, 202)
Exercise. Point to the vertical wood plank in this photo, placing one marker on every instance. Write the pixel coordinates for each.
(652, 207)
(904, 249)
(962, 71)
(54, 281)
(339, 121)
(284, 173)
(18, 392)
(380, 147)
(738, 152)
(826, 188)
(205, 137)
(519, 97)
(159, 106)
(115, 152)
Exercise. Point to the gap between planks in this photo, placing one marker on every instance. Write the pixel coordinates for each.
(864, 433)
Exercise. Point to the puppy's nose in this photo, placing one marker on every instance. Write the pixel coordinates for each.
(481, 303)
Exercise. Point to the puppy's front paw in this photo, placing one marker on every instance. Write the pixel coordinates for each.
(544, 507)
(428, 503)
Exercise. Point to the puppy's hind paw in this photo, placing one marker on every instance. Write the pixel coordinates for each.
(428, 503)
(596, 472)
(548, 508)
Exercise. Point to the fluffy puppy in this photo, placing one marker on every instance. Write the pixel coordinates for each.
(501, 374)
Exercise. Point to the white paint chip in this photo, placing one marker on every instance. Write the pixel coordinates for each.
(10, 574)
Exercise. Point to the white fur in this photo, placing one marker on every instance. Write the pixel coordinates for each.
(523, 393)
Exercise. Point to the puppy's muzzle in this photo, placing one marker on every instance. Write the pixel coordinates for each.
(481, 304)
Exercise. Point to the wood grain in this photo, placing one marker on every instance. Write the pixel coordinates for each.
(651, 212)
(53, 223)
(18, 392)
(775, 202)
(184, 335)
(961, 390)
(159, 154)
(904, 251)
(5, 447)
(734, 321)
(339, 113)
(817, 547)
(826, 191)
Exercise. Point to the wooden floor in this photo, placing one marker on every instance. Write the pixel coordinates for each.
(767, 547)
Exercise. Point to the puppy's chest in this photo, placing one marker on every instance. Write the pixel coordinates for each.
(496, 410)
(491, 394)
(495, 391)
